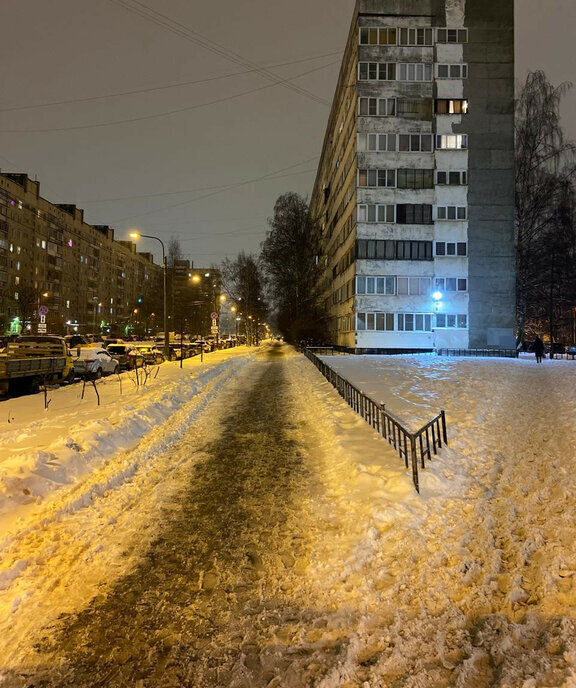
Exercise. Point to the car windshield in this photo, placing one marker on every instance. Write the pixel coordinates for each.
(117, 349)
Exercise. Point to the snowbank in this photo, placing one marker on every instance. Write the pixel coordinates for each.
(45, 450)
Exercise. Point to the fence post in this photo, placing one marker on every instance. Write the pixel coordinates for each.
(414, 463)
(382, 411)
(443, 418)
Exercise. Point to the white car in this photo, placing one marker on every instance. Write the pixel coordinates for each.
(94, 362)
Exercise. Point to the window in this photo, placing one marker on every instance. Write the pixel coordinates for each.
(376, 71)
(452, 71)
(451, 177)
(451, 212)
(446, 320)
(376, 213)
(383, 322)
(451, 248)
(415, 37)
(414, 214)
(377, 178)
(451, 284)
(415, 143)
(414, 109)
(388, 249)
(375, 285)
(377, 107)
(452, 35)
(375, 36)
(414, 322)
(451, 141)
(414, 71)
(413, 250)
(450, 107)
(377, 142)
(413, 286)
(415, 179)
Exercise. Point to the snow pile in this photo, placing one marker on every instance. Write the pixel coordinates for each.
(44, 450)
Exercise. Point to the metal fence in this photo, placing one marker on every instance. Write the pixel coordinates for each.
(414, 447)
(492, 353)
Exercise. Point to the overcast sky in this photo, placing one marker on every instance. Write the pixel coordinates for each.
(203, 161)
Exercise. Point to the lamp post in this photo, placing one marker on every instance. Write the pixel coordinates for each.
(137, 235)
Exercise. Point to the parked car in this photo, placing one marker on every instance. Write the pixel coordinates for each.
(94, 362)
(152, 355)
(202, 344)
(571, 351)
(127, 356)
(73, 341)
(556, 348)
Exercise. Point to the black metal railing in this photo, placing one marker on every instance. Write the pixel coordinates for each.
(414, 447)
(492, 353)
(327, 350)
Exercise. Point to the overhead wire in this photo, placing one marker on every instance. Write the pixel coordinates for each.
(184, 191)
(185, 32)
(215, 193)
(143, 118)
(164, 87)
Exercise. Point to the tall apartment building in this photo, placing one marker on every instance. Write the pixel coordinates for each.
(414, 193)
(50, 257)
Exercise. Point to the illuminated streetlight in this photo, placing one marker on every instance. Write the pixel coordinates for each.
(136, 235)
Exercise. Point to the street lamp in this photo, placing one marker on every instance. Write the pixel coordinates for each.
(137, 235)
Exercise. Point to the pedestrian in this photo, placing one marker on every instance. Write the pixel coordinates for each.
(538, 347)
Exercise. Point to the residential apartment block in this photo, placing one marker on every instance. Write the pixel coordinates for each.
(414, 194)
(84, 279)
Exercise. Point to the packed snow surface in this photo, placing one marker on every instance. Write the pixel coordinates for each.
(363, 583)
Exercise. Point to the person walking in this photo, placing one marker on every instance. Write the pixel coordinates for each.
(538, 349)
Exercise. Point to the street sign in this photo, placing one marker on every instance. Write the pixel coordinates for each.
(214, 329)
(214, 315)
(43, 310)
(41, 328)
(42, 318)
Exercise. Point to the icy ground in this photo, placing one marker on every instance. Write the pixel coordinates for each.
(236, 524)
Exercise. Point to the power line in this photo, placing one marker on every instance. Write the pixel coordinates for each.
(215, 193)
(185, 32)
(177, 193)
(164, 87)
(163, 114)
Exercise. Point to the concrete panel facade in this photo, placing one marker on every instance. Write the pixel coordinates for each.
(415, 184)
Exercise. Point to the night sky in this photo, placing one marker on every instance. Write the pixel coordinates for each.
(172, 161)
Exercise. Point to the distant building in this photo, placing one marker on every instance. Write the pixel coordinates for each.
(414, 193)
(86, 281)
(195, 295)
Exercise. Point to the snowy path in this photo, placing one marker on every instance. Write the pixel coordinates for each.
(273, 540)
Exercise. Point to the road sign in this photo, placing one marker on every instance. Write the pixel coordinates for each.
(43, 310)
(42, 318)
(214, 315)
(214, 329)
(41, 328)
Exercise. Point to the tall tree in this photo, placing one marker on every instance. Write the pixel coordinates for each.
(243, 281)
(544, 216)
(289, 254)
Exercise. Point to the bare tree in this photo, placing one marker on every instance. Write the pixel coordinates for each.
(243, 281)
(289, 255)
(174, 251)
(544, 221)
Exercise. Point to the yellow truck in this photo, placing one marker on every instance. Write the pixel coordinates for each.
(33, 360)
